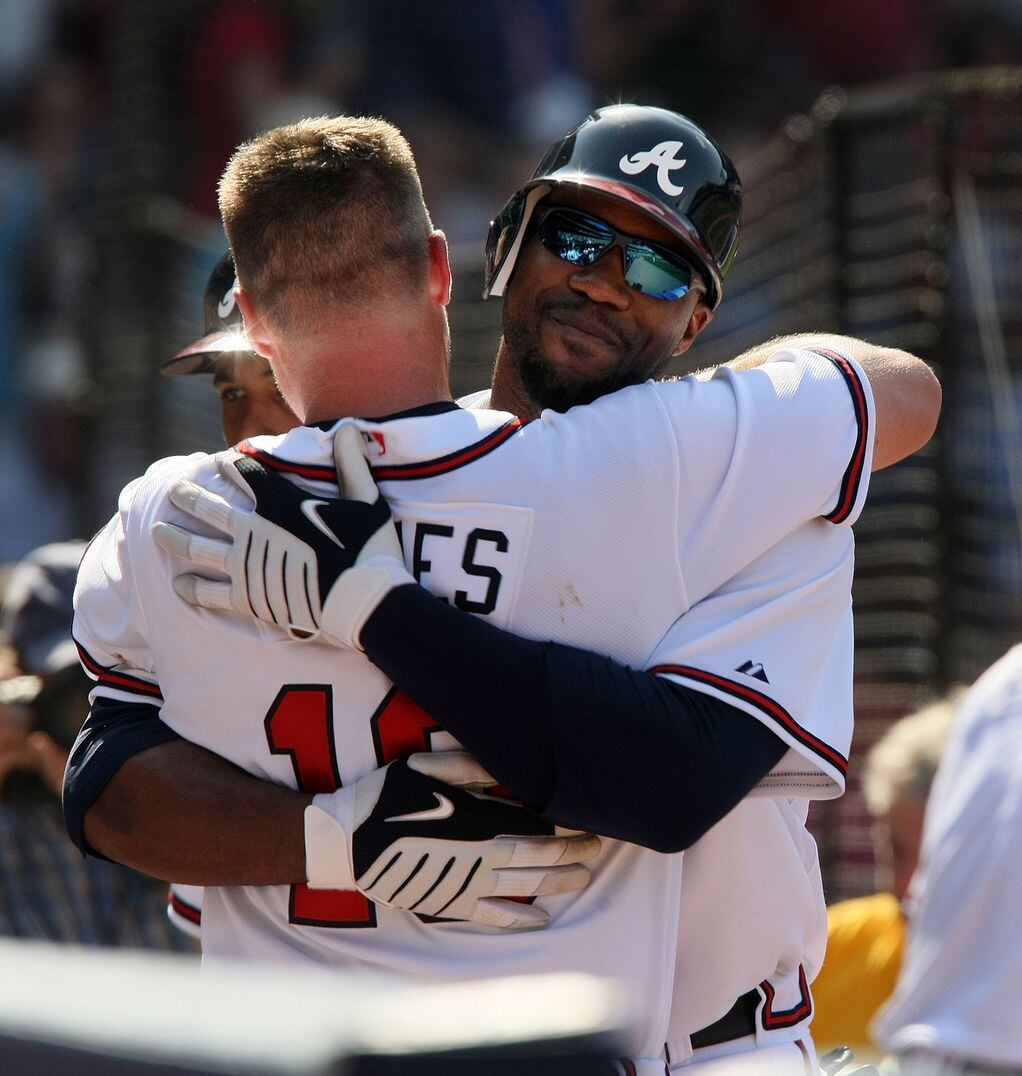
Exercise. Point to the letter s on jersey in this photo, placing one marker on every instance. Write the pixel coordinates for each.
(471, 555)
(484, 571)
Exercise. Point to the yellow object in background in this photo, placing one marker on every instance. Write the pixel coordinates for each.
(865, 941)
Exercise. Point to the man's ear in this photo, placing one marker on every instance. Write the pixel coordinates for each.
(702, 315)
(439, 269)
(255, 326)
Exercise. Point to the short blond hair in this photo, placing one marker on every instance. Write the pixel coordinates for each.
(328, 210)
(902, 764)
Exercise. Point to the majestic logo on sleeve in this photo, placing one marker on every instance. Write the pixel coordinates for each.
(663, 157)
(227, 303)
(754, 668)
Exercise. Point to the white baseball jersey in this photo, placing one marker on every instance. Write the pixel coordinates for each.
(961, 978)
(753, 912)
(599, 528)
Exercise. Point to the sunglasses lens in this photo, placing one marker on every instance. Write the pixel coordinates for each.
(573, 238)
(580, 239)
(653, 273)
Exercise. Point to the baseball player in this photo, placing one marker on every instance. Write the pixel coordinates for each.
(602, 635)
(250, 402)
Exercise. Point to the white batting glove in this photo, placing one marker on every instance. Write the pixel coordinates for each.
(316, 567)
(425, 846)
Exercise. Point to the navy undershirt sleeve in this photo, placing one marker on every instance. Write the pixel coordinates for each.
(113, 733)
(580, 738)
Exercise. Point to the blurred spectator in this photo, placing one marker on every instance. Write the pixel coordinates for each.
(20, 213)
(43, 259)
(866, 936)
(47, 890)
(26, 34)
(706, 58)
(233, 65)
(955, 1009)
(479, 87)
(980, 33)
(851, 45)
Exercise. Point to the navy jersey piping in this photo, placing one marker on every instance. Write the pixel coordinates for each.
(395, 472)
(852, 478)
(765, 704)
(452, 461)
(112, 678)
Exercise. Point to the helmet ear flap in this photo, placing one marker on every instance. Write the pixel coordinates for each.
(503, 230)
(507, 230)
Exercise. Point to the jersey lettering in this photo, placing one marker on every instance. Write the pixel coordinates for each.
(401, 727)
(484, 571)
(300, 723)
(486, 602)
(420, 566)
(470, 555)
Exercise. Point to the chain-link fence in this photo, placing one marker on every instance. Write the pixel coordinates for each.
(895, 215)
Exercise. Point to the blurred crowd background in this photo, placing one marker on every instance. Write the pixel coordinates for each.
(881, 147)
(116, 118)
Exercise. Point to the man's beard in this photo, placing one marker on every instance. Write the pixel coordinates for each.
(546, 385)
(548, 388)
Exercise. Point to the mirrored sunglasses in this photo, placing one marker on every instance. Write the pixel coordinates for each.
(582, 240)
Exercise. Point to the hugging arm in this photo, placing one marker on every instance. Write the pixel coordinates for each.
(579, 737)
(586, 741)
(583, 739)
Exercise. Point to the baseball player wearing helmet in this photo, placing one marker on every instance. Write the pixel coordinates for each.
(250, 402)
(642, 256)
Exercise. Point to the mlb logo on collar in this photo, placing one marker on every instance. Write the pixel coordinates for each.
(376, 444)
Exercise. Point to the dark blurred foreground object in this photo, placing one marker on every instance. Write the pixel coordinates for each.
(116, 1013)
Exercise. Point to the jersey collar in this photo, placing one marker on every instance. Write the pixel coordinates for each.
(422, 411)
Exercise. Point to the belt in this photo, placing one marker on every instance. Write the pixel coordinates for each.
(737, 1022)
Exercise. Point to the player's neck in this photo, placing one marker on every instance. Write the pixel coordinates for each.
(371, 373)
(507, 392)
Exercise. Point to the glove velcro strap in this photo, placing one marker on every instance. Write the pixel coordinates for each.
(327, 844)
(357, 594)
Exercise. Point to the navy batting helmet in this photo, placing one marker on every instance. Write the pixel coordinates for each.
(652, 158)
(221, 323)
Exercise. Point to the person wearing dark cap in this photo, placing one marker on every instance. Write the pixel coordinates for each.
(35, 625)
(47, 890)
(250, 403)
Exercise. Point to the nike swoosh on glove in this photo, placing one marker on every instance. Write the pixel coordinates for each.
(407, 840)
(316, 566)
